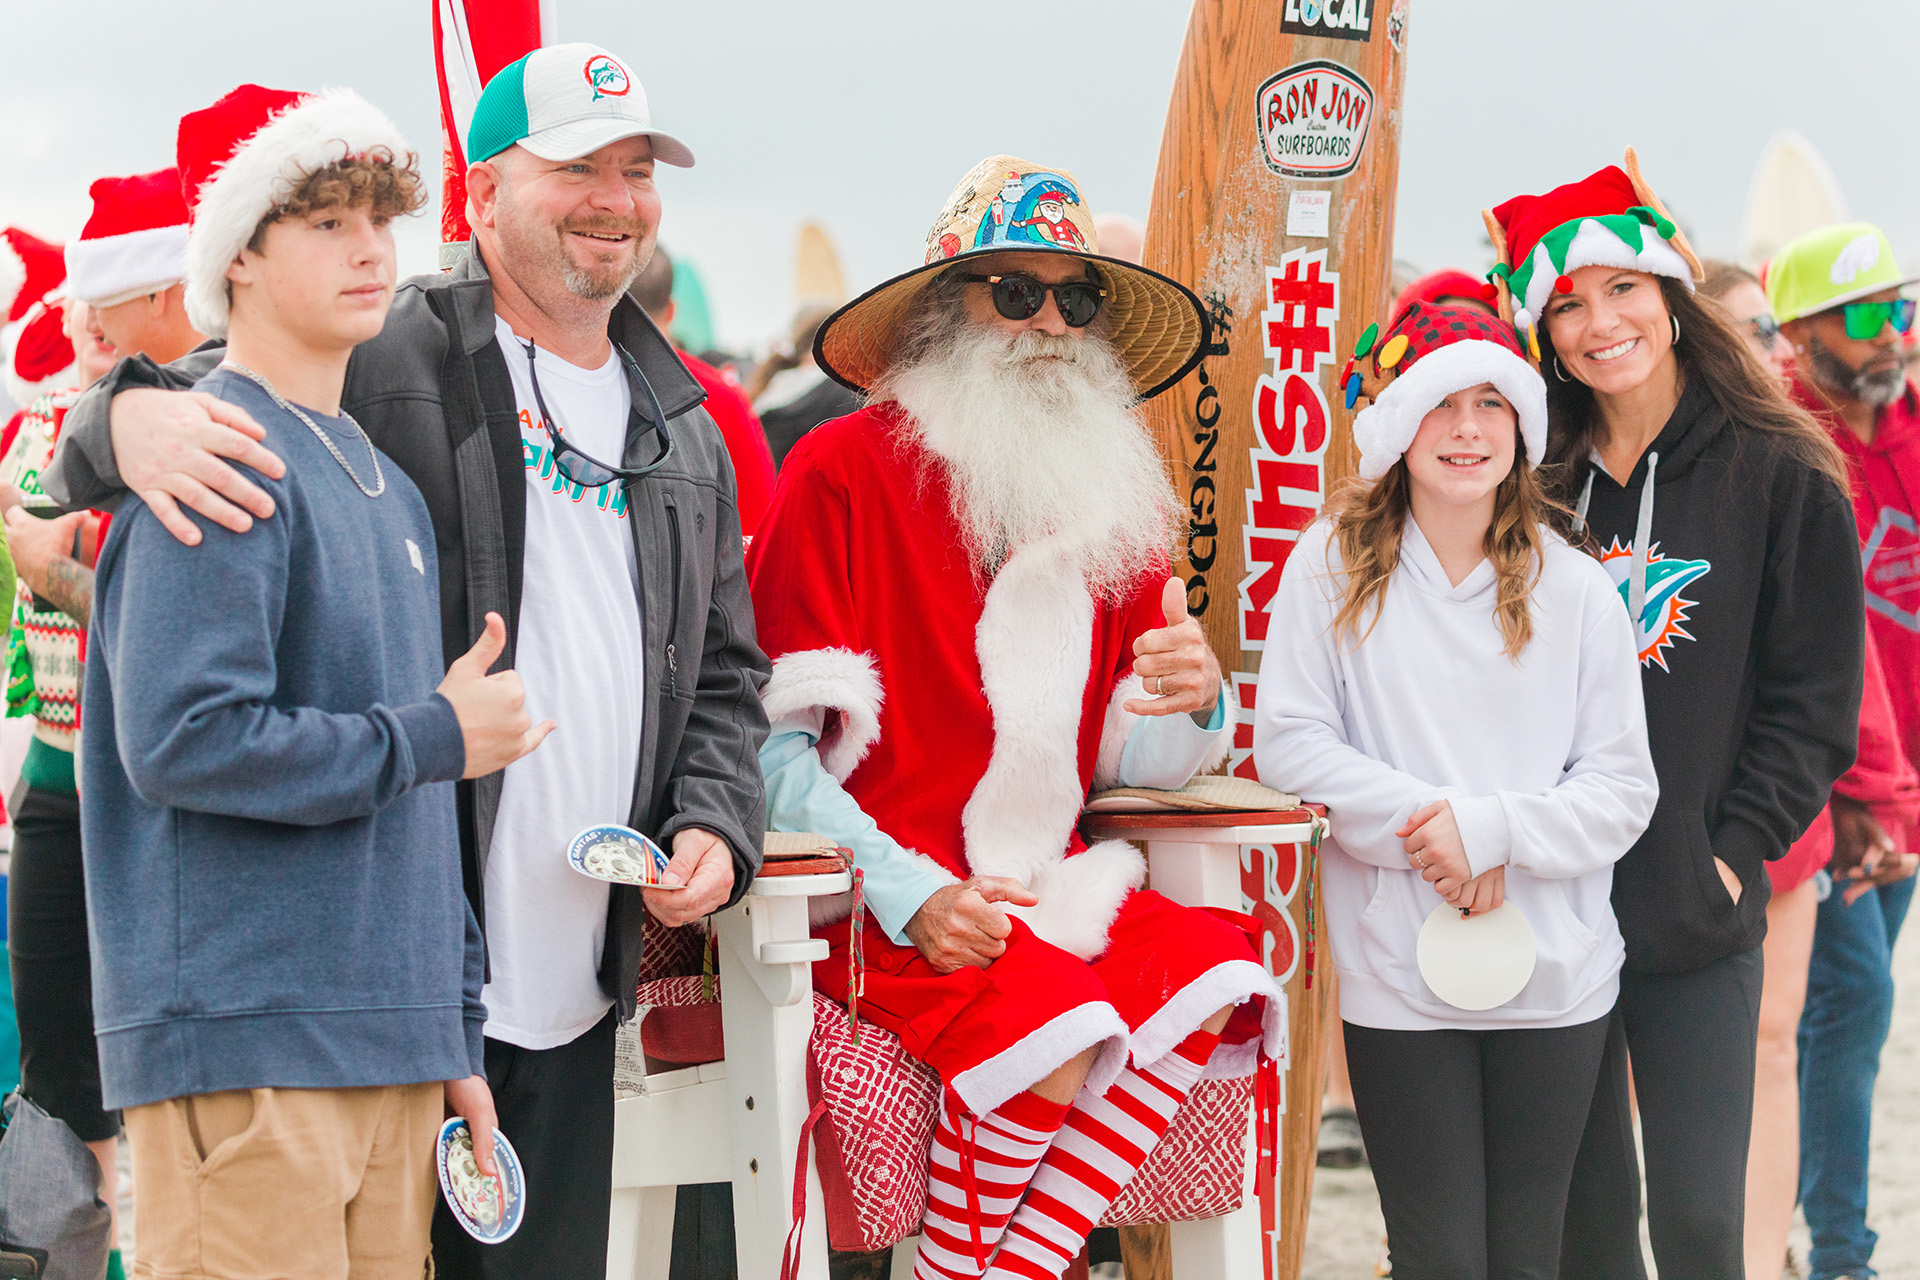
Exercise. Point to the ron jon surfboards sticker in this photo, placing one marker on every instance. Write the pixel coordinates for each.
(1313, 119)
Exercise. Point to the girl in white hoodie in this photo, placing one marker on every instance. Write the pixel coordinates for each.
(1459, 687)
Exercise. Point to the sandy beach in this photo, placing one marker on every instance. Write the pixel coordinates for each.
(1345, 1235)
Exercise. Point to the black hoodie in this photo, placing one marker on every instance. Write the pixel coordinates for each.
(1752, 637)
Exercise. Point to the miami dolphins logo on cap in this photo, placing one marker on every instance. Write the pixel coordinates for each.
(1658, 625)
(608, 78)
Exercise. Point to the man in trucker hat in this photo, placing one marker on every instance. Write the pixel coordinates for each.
(1838, 294)
(616, 562)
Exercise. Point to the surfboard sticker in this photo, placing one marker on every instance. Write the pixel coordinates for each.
(1313, 120)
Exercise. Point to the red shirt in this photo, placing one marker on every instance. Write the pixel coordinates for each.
(1882, 475)
(746, 442)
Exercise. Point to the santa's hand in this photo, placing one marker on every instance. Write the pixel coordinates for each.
(958, 925)
(1175, 662)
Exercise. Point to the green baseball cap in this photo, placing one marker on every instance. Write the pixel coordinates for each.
(1831, 267)
(563, 102)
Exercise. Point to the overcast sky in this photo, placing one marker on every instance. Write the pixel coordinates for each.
(864, 113)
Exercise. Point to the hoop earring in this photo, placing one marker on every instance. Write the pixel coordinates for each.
(1676, 329)
(1558, 372)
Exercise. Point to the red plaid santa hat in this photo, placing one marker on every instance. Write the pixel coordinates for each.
(241, 158)
(1430, 353)
(135, 243)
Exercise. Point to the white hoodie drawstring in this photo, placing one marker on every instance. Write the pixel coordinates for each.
(1642, 536)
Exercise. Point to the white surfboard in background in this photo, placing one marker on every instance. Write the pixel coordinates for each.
(1793, 191)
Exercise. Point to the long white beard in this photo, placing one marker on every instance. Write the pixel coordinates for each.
(1039, 436)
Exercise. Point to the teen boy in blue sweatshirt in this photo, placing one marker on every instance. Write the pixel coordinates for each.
(287, 975)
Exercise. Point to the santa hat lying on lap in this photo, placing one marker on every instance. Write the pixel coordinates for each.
(242, 157)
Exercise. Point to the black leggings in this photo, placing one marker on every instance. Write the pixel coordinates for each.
(52, 966)
(1691, 1037)
(1472, 1135)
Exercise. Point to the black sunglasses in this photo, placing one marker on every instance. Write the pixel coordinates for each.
(1020, 297)
(582, 468)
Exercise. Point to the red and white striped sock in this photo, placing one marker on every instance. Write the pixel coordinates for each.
(1103, 1144)
(1002, 1149)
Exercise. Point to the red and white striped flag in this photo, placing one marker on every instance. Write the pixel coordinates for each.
(472, 41)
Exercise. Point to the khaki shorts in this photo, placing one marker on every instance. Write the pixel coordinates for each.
(286, 1184)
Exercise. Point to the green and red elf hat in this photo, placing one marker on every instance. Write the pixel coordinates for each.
(1609, 219)
(1429, 353)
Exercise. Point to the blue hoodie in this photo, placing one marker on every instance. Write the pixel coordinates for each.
(272, 856)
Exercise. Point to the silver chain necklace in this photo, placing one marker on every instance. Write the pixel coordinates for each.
(379, 477)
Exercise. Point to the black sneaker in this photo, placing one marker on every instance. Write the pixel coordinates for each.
(1340, 1144)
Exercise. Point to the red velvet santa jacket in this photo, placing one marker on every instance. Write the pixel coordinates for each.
(968, 720)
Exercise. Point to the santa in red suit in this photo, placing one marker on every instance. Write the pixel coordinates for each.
(965, 592)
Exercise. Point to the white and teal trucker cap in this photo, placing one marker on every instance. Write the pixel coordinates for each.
(564, 102)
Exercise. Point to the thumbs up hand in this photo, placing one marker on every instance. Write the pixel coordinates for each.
(1175, 662)
(492, 709)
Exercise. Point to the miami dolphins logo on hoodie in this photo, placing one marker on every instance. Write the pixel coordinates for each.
(1658, 625)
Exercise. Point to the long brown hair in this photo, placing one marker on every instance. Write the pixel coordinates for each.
(1369, 519)
(1711, 351)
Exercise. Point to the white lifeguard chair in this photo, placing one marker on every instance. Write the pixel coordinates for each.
(789, 1056)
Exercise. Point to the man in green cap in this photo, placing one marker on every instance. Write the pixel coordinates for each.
(1837, 293)
(578, 489)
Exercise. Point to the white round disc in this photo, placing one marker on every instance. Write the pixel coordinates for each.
(1479, 962)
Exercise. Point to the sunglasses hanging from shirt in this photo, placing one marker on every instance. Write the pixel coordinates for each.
(1020, 297)
(1866, 319)
(582, 468)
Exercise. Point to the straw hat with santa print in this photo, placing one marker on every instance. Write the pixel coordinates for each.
(1157, 326)
(242, 157)
(35, 356)
(1609, 219)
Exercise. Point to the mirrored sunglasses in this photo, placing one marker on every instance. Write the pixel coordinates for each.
(1020, 297)
(1866, 319)
(1766, 330)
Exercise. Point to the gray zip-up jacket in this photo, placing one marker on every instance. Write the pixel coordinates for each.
(434, 394)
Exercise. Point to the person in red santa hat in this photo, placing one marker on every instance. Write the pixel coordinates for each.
(964, 590)
(35, 354)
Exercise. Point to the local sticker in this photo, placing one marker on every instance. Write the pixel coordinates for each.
(1341, 19)
(1313, 119)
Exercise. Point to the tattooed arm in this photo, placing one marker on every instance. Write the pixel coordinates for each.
(42, 556)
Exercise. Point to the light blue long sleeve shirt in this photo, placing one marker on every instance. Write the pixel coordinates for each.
(1163, 752)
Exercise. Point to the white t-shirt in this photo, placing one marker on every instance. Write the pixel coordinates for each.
(580, 659)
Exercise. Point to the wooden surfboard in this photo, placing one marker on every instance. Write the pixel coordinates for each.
(1274, 201)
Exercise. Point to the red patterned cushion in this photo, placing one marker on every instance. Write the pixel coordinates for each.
(1198, 1170)
(871, 1146)
(669, 952)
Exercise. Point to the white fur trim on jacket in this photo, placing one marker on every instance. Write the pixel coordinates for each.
(1232, 983)
(1038, 1054)
(1385, 428)
(1595, 246)
(839, 682)
(317, 131)
(1035, 644)
(114, 269)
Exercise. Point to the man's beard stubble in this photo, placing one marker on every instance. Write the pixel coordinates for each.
(1876, 389)
(544, 249)
(1038, 436)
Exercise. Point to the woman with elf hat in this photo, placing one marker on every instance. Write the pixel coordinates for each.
(1721, 513)
(1471, 849)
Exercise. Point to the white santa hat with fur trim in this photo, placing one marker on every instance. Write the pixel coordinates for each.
(242, 157)
(1430, 353)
